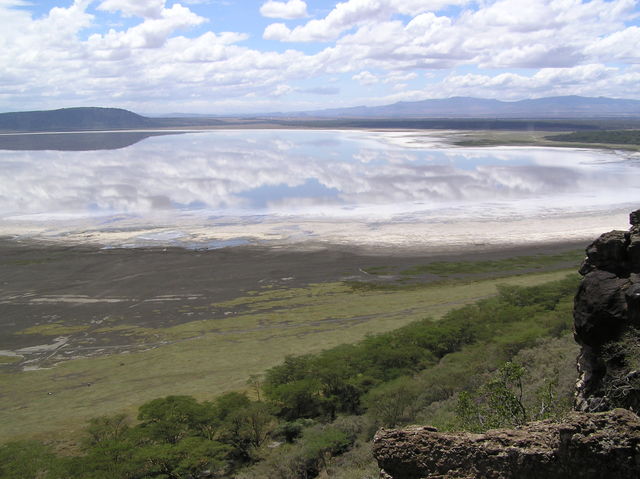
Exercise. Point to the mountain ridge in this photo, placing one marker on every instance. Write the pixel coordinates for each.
(454, 108)
(571, 106)
(74, 119)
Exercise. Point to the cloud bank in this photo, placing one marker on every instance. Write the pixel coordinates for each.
(161, 56)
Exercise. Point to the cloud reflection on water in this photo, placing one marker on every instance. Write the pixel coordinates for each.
(327, 173)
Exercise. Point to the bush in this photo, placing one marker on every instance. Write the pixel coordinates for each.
(336, 381)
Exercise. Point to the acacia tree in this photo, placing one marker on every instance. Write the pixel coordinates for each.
(498, 403)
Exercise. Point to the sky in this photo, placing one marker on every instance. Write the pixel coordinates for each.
(257, 56)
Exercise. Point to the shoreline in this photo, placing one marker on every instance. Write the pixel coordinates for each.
(443, 136)
(377, 238)
(452, 251)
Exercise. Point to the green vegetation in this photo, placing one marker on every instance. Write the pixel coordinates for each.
(500, 401)
(9, 359)
(516, 263)
(614, 137)
(528, 326)
(623, 356)
(465, 370)
(334, 381)
(623, 138)
(206, 358)
(54, 329)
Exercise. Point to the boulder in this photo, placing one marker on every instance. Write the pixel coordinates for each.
(609, 252)
(585, 445)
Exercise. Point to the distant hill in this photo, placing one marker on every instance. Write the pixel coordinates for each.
(453, 113)
(74, 119)
(468, 107)
(81, 141)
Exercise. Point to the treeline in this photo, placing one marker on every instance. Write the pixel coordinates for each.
(614, 137)
(334, 381)
(312, 408)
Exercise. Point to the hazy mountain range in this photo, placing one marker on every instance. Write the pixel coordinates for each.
(551, 108)
(468, 107)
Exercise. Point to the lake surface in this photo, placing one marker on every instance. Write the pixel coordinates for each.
(220, 188)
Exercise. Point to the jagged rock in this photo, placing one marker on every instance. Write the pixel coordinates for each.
(585, 445)
(634, 249)
(606, 315)
(601, 310)
(633, 302)
(609, 251)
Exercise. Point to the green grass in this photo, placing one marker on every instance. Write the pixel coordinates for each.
(618, 139)
(9, 360)
(615, 137)
(206, 358)
(54, 329)
(533, 262)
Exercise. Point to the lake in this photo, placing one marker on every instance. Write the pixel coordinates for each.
(228, 187)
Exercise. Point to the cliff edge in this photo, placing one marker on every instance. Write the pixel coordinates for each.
(607, 322)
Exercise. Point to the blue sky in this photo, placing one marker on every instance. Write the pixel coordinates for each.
(252, 56)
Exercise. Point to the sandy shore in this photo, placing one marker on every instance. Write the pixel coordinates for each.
(431, 236)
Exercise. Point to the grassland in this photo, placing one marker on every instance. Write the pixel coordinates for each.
(613, 137)
(540, 138)
(206, 357)
(513, 264)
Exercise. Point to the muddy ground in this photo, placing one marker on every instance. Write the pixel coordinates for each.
(59, 301)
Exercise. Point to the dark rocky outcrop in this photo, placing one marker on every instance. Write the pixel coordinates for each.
(607, 320)
(585, 445)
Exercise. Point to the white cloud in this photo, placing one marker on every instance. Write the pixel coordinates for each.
(320, 90)
(352, 13)
(541, 34)
(157, 63)
(343, 17)
(396, 77)
(416, 7)
(135, 8)
(589, 80)
(287, 10)
(152, 33)
(622, 45)
(281, 90)
(365, 78)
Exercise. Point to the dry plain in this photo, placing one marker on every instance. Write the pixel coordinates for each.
(89, 331)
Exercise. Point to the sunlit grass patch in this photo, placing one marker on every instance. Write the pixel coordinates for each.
(54, 329)
(447, 268)
(10, 359)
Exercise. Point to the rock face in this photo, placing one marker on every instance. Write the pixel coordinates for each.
(585, 445)
(607, 320)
